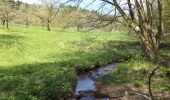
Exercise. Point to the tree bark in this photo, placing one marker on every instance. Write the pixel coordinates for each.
(150, 49)
(148, 42)
(7, 24)
(48, 25)
(27, 22)
(3, 22)
(78, 27)
(27, 25)
(150, 81)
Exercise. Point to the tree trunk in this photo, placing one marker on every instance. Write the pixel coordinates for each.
(150, 80)
(150, 49)
(3, 22)
(149, 43)
(78, 27)
(48, 25)
(27, 23)
(7, 24)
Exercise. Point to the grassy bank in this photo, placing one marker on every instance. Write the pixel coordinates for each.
(36, 64)
(134, 74)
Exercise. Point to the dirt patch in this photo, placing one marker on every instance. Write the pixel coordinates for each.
(117, 92)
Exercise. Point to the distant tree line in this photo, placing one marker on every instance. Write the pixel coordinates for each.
(50, 14)
(8, 11)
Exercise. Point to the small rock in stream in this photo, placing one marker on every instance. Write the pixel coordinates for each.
(89, 97)
(100, 95)
(87, 91)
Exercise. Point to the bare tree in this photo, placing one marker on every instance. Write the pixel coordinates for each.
(48, 12)
(7, 12)
(3, 21)
(138, 15)
(142, 24)
(26, 14)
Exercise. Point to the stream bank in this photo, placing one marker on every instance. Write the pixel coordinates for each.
(90, 87)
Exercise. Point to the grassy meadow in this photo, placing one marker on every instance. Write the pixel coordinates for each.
(38, 65)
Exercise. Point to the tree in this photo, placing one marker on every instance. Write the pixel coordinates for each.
(48, 12)
(18, 4)
(25, 14)
(138, 15)
(7, 11)
(70, 16)
(3, 21)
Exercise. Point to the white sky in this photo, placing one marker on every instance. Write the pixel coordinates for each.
(36, 1)
(84, 3)
(29, 1)
(93, 6)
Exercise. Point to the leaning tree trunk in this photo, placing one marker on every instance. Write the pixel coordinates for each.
(148, 41)
(150, 45)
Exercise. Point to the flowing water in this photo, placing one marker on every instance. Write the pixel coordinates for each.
(86, 82)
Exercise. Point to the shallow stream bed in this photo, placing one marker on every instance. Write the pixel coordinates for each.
(86, 86)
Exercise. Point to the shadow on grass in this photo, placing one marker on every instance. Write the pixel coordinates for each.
(8, 40)
(165, 52)
(37, 81)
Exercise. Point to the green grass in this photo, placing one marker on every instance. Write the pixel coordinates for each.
(135, 73)
(40, 65)
(129, 72)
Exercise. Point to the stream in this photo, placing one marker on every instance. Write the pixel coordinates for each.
(86, 82)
